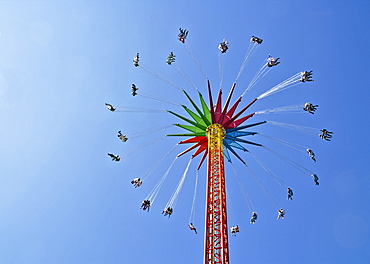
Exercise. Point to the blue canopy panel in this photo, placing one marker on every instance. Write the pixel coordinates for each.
(243, 127)
(227, 155)
(242, 140)
(229, 144)
(234, 144)
(239, 133)
(233, 151)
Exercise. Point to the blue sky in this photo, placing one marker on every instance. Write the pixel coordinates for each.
(62, 200)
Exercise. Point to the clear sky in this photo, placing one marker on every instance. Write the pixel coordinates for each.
(62, 200)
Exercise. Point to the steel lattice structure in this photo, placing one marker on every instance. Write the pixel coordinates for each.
(216, 236)
(216, 130)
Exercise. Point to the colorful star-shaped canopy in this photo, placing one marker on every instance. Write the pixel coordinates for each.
(216, 114)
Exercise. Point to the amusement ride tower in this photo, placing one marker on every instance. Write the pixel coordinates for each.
(215, 130)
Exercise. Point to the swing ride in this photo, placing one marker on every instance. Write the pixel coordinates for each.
(218, 131)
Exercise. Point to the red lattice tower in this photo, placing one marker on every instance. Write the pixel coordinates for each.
(214, 128)
(216, 237)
